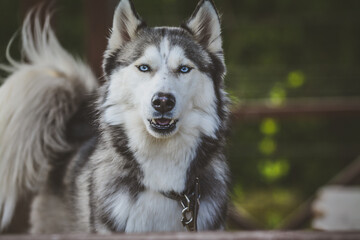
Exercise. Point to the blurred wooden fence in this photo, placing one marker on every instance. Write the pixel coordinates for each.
(326, 107)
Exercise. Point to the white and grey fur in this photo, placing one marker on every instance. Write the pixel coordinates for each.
(115, 180)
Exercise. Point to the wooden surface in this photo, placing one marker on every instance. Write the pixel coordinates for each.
(256, 235)
(327, 107)
(304, 213)
(337, 208)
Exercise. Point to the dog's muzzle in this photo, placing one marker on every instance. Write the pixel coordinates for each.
(163, 103)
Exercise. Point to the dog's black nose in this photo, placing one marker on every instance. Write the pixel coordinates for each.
(163, 102)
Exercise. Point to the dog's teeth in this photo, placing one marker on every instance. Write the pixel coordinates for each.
(171, 122)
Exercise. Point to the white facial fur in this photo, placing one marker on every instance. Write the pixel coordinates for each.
(131, 91)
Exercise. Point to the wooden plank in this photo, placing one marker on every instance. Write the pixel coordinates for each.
(337, 208)
(256, 235)
(98, 23)
(297, 107)
(304, 212)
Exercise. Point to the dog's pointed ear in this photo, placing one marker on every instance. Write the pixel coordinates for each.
(126, 23)
(204, 24)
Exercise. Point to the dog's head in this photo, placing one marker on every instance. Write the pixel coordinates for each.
(165, 80)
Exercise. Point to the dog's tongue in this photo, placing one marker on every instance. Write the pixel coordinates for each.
(163, 121)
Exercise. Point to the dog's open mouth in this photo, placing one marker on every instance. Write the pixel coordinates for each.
(163, 124)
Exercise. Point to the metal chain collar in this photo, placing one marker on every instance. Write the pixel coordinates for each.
(190, 204)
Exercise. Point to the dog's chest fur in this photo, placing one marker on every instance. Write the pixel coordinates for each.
(164, 163)
(150, 211)
(126, 191)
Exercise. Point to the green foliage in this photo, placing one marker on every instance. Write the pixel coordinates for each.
(269, 127)
(267, 206)
(9, 16)
(277, 94)
(296, 79)
(267, 146)
(272, 170)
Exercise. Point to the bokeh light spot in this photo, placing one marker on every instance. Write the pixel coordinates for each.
(296, 79)
(273, 170)
(269, 126)
(267, 146)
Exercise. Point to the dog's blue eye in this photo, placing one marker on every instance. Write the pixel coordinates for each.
(144, 68)
(184, 69)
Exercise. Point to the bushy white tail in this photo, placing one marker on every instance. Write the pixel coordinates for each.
(36, 101)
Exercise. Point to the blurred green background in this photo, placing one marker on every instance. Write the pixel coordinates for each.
(276, 51)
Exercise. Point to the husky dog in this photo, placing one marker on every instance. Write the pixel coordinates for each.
(156, 155)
